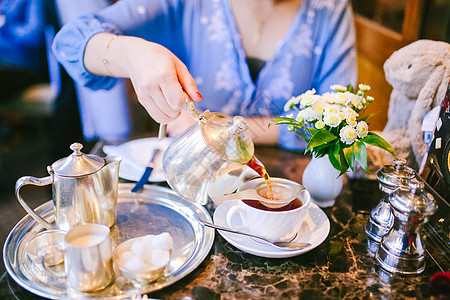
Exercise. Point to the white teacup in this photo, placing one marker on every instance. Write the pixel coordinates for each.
(276, 225)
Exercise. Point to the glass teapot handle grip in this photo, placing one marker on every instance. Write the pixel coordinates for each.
(195, 113)
(25, 180)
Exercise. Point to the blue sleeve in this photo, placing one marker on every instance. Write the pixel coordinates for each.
(23, 23)
(338, 58)
(150, 20)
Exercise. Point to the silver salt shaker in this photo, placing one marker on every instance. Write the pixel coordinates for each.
(390, 177)
(402, 249)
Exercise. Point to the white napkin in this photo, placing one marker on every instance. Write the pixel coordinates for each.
(136, 155)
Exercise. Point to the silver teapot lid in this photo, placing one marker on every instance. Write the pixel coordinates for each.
(78, 163)
(413, 199)
(394, 175)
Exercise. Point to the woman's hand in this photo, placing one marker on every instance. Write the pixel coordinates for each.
(160, 79)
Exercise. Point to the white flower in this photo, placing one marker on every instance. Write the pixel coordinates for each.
(332, 119)
(362, 129)
(356, 102)
(341, 98)
(319, 124)
(308, 100)
(351, 120)
(309, 114)
(290, 104)
(370, 99)
(291, 115)
(331, 109)
(364, 87)
(299, 117)
(291, 127)
(309, 92)
(338, 88)
(328, 97)
(348, 134)
(348, 111)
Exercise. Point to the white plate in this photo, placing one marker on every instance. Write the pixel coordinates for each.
(314, 230)
(136, 154)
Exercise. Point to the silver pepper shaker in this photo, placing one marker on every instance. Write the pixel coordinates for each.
(402, 249)
(390, 177)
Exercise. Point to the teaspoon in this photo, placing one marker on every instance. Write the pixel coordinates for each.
(280, 245)
(252, 194)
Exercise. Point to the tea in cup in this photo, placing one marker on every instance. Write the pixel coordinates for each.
(276, 224)
(87, 256)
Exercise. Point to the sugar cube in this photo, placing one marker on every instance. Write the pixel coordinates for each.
(163, 241)
(160, 258)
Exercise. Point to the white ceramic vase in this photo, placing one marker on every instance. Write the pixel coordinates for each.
(322, 181)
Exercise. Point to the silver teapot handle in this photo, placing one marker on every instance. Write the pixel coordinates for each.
(25, 180)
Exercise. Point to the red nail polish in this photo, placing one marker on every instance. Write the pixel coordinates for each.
(199, 95)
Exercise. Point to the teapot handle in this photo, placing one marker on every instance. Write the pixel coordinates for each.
(25, 180)
(195, 113)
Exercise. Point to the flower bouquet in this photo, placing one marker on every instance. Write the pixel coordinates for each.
(331, 125)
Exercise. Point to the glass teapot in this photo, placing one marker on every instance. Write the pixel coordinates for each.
(217, 146)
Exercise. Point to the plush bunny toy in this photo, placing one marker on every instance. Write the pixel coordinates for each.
(418, 73)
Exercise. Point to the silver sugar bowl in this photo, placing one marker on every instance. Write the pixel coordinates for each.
(390, 177)
(402, 249)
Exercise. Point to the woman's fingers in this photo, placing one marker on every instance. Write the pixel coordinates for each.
(174, 94)
(187, 81)
(153, 106)
(162, 101)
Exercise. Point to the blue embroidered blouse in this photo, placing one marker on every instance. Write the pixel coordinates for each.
(317, 50)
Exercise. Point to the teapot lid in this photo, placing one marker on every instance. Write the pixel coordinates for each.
(227, 136)
(394, 175)
(78, 163)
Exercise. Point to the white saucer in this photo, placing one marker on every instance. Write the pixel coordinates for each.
(136, 154)
(314, 230)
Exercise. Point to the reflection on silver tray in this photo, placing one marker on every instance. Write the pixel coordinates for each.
(153, 211)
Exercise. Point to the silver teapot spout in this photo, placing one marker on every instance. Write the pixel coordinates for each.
(85, 190)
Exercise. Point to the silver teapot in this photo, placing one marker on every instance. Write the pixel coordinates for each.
(208, 156)
(85, 190)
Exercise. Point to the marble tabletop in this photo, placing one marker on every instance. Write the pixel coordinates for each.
(342, 267)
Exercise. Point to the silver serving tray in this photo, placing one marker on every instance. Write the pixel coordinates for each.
(154, 210)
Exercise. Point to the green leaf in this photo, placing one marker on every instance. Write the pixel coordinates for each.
(360, 153)
(313, 130)
(333, 156)
(284, 120)
(344, 164)
(320, 137)
(350, 156)
(350, 88)
(378, 141)
(365, 118)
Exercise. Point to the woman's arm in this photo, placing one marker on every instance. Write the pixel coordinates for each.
(160, 79)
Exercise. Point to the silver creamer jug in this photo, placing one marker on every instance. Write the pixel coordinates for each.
(216, 145)
(85, 190)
